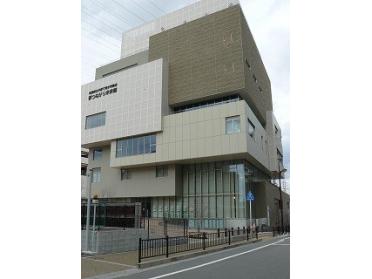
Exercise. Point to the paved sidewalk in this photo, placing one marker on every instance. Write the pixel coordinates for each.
(110, 263)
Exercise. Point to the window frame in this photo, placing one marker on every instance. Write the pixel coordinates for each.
(250, 124)
(230, 121)
(98, 171)
(94, 154)
(161, 171)
(95, 115)
(124, 174)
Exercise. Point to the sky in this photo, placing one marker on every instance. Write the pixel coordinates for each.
(104, 21)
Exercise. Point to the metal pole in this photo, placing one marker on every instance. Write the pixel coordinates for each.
(148, 224)
(280, 196)
(250, 214)
(94, 224)
(88, 210)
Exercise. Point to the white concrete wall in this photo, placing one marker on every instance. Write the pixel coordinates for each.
(274, 140)
(84, 186)
(137, 39)
(136, 108)
(142, 182)
(201, 134)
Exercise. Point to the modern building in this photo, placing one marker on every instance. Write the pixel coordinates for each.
(183, 122)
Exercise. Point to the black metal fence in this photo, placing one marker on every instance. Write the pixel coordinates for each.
(166, 246)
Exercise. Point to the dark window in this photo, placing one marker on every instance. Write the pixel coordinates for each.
(247, 62)
(97, 153)
(161, 171)
(251, 128)
(84, 170)
(124, 174)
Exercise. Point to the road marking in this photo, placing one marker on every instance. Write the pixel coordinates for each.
(282, 244)
(103, 261)
(219, 260)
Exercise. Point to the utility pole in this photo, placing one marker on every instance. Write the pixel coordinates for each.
(89, 192)
(280, 196)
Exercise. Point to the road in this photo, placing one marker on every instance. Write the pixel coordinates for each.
(262, 260)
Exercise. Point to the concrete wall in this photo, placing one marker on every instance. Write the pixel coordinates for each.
(136, 108)
(114, 240)
(137, 39)
(142, 181)
(136, 59)
(201, 135)
(274, 140)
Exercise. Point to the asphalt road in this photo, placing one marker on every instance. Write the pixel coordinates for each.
(262, 260)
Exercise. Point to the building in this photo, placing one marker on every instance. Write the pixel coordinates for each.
(183, 122)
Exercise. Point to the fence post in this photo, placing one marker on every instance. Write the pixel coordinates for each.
(139, 250)
(204, 237)
(229, 238)
(218, 232)
(166, 242)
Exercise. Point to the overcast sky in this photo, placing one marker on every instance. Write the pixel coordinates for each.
(103, 22)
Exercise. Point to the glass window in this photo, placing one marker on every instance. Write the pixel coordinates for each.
(124, 174)
(251, 128)
(97, 153)
(161, 171)
(232, 124)
(95, 120)
(136, 145)
(96, 175)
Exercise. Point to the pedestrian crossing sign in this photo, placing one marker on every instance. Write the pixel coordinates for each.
(250, 196)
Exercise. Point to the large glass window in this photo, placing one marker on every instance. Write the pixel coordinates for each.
(95, 120)
(233, 124)
(136, 145)
(96, 175)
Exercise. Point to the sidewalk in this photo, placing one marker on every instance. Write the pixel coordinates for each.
(109, 263)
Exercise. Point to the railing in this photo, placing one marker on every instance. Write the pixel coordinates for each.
(166, 246)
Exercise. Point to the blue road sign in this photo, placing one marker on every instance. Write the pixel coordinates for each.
(250, 196)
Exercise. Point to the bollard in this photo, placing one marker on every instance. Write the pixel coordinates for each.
(247, 234)
(139, 250)
(218, 232)
(225, 232)
(243, 229)
(166, 242)
(229, 238)
(204, 237)
(238, 230)
(232, 231)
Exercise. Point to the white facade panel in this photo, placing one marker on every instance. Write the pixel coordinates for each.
(137, 39)
(135, 108)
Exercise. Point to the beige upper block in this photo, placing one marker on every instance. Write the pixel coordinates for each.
(201, 134)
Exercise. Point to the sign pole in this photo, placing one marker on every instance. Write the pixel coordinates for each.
(250, 214)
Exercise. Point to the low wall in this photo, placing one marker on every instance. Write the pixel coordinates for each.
(107, 241)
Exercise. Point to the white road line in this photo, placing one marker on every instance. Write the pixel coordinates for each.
(103, 261)
(219, 260)
(282, 244)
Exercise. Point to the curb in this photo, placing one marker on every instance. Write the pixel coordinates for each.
(187, 256)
